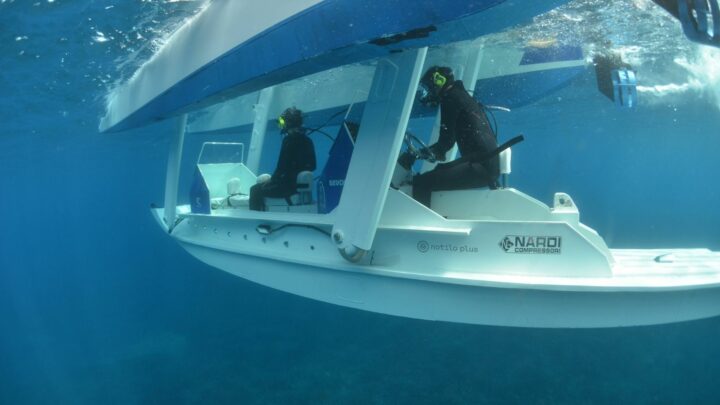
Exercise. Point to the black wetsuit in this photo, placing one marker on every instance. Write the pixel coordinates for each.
(463, 121)
(297, 154)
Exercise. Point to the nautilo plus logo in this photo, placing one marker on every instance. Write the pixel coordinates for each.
(424, 246)
(547, 245)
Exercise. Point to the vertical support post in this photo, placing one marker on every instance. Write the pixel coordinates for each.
(469, 77)
(172, 176)
(382, 128)
(257, 139)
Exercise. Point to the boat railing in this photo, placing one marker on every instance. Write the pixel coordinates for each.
(221, 152)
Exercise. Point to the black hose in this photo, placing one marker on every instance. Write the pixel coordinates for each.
(319, 129)
(324, 232)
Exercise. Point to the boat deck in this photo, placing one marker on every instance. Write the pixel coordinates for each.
(679, 263)
(634, 269)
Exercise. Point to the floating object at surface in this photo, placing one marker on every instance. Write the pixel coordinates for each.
(700, 19)
(616, 80)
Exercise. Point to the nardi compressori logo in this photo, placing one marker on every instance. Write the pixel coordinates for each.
(548, 245)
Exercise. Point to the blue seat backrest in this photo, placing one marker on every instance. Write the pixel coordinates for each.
(332, 179)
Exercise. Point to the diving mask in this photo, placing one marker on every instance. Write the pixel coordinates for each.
(427, 95)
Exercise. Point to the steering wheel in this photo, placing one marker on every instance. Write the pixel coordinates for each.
(419, 149)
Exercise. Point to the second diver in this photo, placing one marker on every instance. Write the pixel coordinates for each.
(463, 121)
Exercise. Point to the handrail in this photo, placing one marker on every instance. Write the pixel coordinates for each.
(242, 150)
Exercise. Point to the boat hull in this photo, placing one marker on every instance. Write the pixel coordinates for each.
(472, 304)
(234, 48)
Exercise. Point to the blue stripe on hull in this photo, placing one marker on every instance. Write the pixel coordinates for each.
(330, 34)
(519, 90)
(512, 91)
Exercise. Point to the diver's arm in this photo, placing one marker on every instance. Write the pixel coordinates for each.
(309, 160)
(449, 114)
(284, 159)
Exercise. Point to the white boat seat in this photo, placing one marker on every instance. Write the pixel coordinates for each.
(235, 198)
(239, 200)
(263, 178)
(233, 201)
(304, 187)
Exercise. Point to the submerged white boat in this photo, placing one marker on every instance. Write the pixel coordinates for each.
(480, 256)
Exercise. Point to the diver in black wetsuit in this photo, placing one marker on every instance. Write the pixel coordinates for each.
(297, 154)
(463, 121)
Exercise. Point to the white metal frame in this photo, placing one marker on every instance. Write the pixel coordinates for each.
(242, 150)
(378, 144)
(172, 176)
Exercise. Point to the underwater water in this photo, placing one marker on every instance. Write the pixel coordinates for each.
(98, 305)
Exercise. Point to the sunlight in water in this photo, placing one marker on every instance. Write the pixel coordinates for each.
(705, 69)
(703, 76)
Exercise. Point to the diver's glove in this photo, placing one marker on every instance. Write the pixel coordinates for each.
(432, 154)
(427, 154)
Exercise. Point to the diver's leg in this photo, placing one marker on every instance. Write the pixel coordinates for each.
(406, 160)
(270, 189)
(475, 176)
(424, 184)
(449, 177)
(278, 190)
(257, 197)
(421, 189)
(461, 177)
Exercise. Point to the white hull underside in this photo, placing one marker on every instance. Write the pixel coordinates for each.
(472, 304)
(422, 272)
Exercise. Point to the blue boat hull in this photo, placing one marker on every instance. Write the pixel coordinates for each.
(329, 34)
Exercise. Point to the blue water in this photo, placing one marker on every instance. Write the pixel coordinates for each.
(98, 306)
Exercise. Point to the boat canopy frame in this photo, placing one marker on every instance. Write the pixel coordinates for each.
(382, 128)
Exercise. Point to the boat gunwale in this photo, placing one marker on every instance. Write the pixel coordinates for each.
(512, 281)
